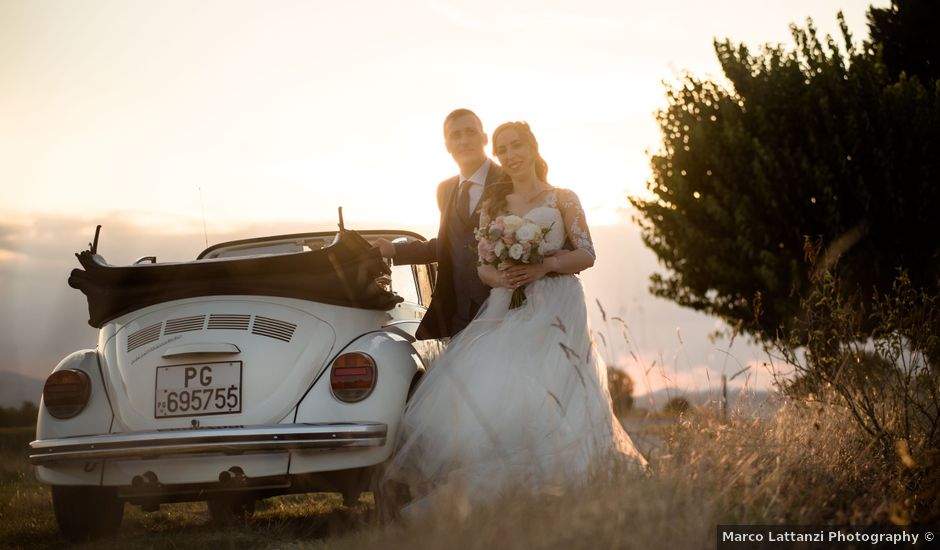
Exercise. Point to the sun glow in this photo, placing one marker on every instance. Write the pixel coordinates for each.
(180, 123)
(259, 113)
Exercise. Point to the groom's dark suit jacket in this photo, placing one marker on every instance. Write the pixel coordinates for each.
(458, 292)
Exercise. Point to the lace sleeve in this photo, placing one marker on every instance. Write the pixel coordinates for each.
(575, 222)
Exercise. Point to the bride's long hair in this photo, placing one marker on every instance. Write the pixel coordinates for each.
(494, 196)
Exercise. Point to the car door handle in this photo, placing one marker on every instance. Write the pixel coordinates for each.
(218, 348)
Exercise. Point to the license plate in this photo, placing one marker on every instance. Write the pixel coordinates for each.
(199, 389)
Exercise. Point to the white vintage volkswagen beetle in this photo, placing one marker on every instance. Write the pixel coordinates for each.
(266, 366)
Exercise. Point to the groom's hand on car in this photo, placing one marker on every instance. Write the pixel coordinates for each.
(385, 246)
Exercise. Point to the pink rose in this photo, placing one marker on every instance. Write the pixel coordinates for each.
(485, 250)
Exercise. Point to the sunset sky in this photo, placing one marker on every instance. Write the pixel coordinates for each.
(164, 116)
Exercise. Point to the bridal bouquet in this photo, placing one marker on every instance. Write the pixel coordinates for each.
(511, 240)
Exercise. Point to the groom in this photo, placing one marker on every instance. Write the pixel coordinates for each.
(458, 292)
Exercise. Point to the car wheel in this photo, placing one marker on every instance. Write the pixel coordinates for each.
(231, 509)
(87, 512)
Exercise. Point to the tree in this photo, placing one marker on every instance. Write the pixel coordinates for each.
(818, 144)
(676, 406)
(621, 390)
(906, 35)
(25, 415)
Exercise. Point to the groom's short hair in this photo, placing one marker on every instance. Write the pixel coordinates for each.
(457, 113)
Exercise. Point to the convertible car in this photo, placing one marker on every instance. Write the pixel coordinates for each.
(266, 366)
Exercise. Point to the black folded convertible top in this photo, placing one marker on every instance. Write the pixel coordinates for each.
(342, 274)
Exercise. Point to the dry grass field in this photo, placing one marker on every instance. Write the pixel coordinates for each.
(802, 462)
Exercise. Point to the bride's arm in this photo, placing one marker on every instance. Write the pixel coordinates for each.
(577, 232)
(573, 262)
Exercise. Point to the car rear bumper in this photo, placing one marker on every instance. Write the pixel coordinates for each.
(227, 440)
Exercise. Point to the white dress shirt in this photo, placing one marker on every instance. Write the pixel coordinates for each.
(478, 179)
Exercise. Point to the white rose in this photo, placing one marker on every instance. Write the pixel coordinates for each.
(513, 223)
(516, 251)
(527, 232)
(499, 249)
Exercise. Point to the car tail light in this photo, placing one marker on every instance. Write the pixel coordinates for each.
(352, 377)
(66, 393)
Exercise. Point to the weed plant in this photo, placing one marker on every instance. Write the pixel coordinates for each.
(879, 368)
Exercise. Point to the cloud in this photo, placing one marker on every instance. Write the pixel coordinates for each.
(10, 234)
(455, 16)
(43, 319)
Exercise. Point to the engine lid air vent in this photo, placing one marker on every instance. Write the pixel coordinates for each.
(184, 324)
(273, 328)
(222, 321)
(143, 336)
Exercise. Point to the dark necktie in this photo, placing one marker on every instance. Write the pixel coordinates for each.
(463, 201)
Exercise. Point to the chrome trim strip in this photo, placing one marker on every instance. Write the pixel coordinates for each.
(234, 440)
(220, 348)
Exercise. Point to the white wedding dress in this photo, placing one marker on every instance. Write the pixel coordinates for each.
(519, 398)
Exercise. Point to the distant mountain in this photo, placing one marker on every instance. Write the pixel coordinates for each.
(707, 398)
(16, 388)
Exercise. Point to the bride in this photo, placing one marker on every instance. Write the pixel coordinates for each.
(519, 398)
